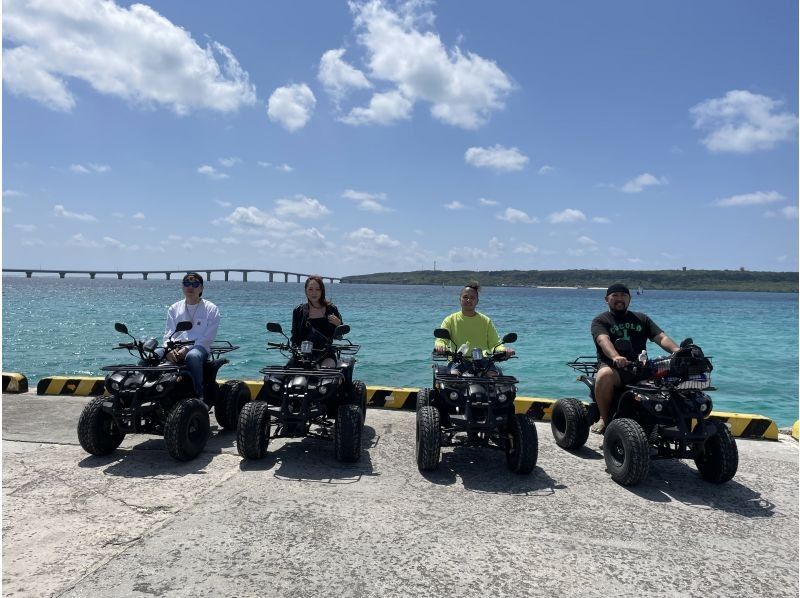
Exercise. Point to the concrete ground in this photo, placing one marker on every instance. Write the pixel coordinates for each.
(298, 523)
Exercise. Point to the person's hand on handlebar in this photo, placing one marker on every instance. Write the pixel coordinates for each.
(177, 355)
(441, 349)
(620, 361)
(506, 353)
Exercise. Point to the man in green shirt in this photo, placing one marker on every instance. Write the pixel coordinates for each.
(470, 326)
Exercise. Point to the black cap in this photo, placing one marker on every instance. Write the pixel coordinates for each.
(193, 275)
(617, 287)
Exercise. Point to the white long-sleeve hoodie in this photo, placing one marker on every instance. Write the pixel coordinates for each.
(205, 322)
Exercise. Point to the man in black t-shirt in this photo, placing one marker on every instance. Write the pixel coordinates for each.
(614, 324)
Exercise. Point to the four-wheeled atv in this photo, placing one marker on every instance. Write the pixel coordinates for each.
(302, 398)
(158, 397)
(663, 415)
(469, 406)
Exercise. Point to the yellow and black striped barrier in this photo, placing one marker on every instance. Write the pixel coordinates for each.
(796, 430)
(393, 397)
(14, 383)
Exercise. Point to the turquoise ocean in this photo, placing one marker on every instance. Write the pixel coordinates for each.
(55, 326)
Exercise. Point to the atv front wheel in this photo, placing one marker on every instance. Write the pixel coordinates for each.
(522, 444)
(252, 434)
(626, 451)
(429, 438)
(569, 423)
(186, 429)
(347, 433)
(97, 432)
(719, 457)
(232, 396)
(423, 398)
(359, 397)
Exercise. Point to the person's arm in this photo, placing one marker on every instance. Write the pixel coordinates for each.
(492, 339)
(212, 325)
(604, 341)
(169, 327)
(666, 343)
(440, 345)
(297, 317)
(335, 317)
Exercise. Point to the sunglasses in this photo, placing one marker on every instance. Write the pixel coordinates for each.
(192, 283)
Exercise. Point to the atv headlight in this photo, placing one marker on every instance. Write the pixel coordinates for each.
(159, 388)
(322, 390)
(114, 385)
(276, 387)
(703, 408)
(453, 395)
(502, 398)
(658, 407)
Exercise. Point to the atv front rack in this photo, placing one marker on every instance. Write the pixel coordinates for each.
(127, 367)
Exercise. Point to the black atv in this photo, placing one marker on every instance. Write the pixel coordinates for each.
(467, 406)
(302, 394)
(664, 416)
(158, 397)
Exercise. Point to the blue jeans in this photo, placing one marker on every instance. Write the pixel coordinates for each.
(193, 362)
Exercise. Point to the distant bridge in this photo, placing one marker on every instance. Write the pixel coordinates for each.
(29, 272)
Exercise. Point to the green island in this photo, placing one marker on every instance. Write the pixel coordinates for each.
(695, 280)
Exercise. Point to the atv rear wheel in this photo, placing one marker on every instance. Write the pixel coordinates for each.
(359, 397)
(347, 433)
(232, 396)
(423, 398)
(186, 429)
(569, 423)
(252, 434)
(719, 458)
(429, 438)
(626, 451)
(97, 432)
(522, 444)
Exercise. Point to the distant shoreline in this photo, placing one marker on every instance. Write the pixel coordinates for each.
(646, 280)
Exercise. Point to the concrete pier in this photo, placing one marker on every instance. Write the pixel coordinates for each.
(298, 522)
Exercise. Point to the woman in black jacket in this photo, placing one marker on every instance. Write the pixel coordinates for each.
(316, 319)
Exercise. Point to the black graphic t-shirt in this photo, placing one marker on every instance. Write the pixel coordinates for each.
(632, 325)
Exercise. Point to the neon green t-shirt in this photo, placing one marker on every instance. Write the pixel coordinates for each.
(478, 331)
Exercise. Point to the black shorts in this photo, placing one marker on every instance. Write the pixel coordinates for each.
(625, 376)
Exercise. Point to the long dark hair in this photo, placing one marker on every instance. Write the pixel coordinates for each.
(321, 284)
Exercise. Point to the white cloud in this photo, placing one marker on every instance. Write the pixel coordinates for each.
(467, 254)
(788, 212)
(301, 207)
(111, 242)
(224, 204)
(251, 218)
(369, 202)
(28, 228)
(384, 109)
(79, 240)
(291, 106)
(59, 211)
(138, 216)
(32, 242)
(211, 172)
(743, 122)
(526, 248)
(89, 168)
(281, 167)
(133, 53)
(487, 202)
(601, 220)
(12, 193)
(230, 162)
(368, 238)
(586, 241)
(497, 158)
(230, 240)
(635, 260)
(638, 184)
(463, 88)
(546, 169)
(516, 216)
(455, 205)
(566, 216)
(750, 199)
(338, 77)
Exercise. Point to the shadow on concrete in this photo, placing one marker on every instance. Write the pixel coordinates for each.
(311, 459)
(148, 463)
(586, 453)
(484, 470)
(677, 481)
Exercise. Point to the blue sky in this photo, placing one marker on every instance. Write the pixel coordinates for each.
(347, 138)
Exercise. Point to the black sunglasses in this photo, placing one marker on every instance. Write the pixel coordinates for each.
(192, 283)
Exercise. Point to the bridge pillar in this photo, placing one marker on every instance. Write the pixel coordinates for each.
(208, 275)
(62, 274)
(270, 276)
(168, 274)
(144, 275)
(244, 275)
(92, 275)
(119, 275)
(28, 274)
(298, 278)
(226, 275)
(285, 277)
